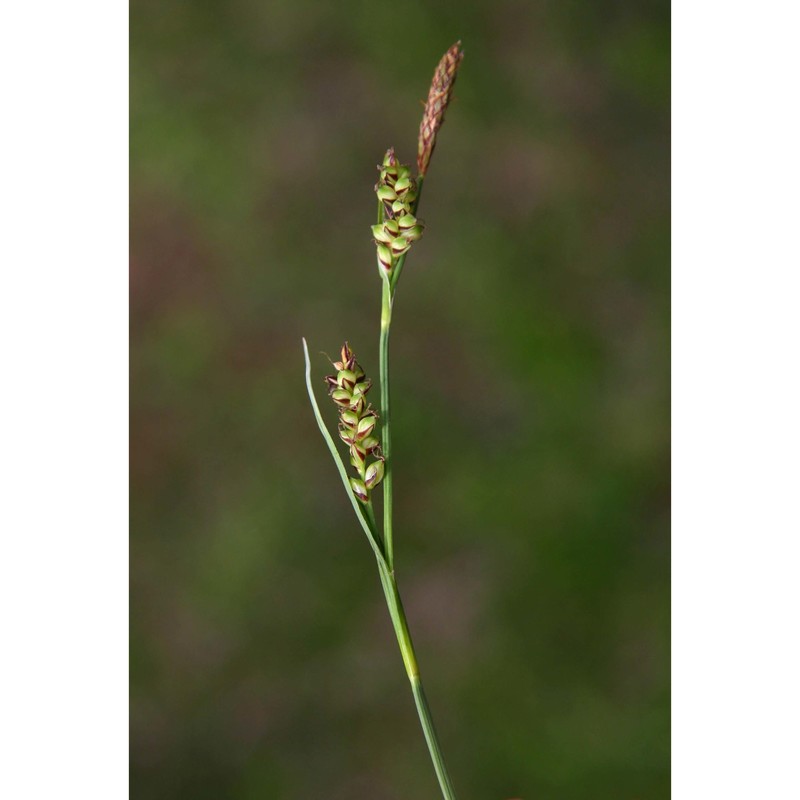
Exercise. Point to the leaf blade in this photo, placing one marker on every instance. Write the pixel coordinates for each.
(368, 530)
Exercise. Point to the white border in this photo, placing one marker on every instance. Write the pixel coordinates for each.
(736, 403)
(63, 427)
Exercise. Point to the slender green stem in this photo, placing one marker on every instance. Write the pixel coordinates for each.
(386, 566)
(387, 301)
(400, 624)
(386, 429)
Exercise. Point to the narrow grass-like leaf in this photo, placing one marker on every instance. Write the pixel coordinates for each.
(372, 535)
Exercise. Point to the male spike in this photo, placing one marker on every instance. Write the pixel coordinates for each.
(441, 91)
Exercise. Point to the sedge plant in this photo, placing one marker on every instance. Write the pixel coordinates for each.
(363, 430)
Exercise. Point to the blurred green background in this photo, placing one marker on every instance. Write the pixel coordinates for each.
(531, 386)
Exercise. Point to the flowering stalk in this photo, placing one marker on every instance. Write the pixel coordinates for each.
(396, 230)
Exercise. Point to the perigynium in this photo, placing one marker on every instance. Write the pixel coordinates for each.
(369, 445)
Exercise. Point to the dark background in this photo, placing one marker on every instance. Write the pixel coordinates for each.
(531, 388)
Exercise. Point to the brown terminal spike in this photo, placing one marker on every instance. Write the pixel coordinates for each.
(439, 96)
